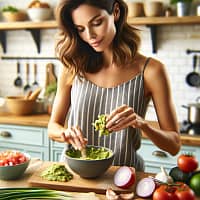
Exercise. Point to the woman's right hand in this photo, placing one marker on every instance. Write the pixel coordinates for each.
(74, 136)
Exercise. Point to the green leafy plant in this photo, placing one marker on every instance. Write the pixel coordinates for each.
(10, 9)
(51, 89)
(184, 1)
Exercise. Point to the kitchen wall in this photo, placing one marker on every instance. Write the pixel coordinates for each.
(173, 40)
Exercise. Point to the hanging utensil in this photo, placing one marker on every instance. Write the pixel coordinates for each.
(193, 78)
(35, 84)
(27, 87)
(18, 80)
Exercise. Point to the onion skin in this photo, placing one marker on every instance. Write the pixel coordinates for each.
(131, 180)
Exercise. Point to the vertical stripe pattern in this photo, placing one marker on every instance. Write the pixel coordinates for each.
(89, 100)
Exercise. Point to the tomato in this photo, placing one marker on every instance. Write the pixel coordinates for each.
(165, 192)
(187, 163)
(183, 192)
(10, 158)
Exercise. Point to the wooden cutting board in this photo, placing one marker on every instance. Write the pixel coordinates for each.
(50, 75)
(78, 184)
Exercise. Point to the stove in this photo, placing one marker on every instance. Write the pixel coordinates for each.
(189, 128)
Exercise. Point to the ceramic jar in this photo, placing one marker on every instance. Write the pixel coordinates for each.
(135, 9)
(153, 8)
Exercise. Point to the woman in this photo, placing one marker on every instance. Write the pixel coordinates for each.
(104, 73)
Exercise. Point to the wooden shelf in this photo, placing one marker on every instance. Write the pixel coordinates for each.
(134, 20)
(151, 22)
(28, 25)
(164, 20)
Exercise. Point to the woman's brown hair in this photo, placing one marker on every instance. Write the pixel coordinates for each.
(76, 54)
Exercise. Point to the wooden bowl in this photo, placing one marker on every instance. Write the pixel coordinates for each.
(17, 105)
(14, 16)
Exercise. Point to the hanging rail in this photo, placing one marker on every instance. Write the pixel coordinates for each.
(27, 58)
(189, 51)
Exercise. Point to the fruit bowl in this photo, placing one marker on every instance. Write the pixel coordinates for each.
(13, 164)
(90, 167)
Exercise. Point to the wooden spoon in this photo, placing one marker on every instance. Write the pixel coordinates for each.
(83, 153)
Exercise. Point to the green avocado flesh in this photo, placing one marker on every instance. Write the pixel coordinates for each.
(56, 172)
(92, 153)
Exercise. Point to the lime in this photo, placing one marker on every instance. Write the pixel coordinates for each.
(194, 183)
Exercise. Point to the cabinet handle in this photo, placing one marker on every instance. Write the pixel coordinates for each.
(5, 134)
(159, 153)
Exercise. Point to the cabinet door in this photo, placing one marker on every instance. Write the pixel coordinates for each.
(33, 140)
(155, 158)
(56, 149)
(23, 135)
(56, 154)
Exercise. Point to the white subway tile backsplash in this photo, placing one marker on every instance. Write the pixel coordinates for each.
(173, 41)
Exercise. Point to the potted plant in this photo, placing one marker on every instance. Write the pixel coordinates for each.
(182, 7)
(50, 93)
(12, 14)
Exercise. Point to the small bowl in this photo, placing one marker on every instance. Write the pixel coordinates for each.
(14, 16)
(17, 105)
(89, 168)
(39, 14)
(14, 172)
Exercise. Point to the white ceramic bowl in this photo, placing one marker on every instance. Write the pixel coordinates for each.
(15, 171)
(39, 14)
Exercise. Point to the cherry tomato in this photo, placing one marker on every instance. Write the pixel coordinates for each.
(187, 163)
(165, 192)
(183, 192)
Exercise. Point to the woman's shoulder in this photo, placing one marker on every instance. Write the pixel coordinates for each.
(66, 76)
(150, 65)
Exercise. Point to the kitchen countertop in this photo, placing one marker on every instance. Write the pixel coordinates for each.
(41, 120)
(34, 165)
(23, 181)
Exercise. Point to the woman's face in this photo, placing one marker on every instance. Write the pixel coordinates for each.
(95, 26)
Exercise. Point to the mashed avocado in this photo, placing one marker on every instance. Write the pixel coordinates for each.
(100, 125)
(92, 153)
(56, 172)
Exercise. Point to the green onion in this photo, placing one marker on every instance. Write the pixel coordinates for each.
(32, 193)
(40, 193)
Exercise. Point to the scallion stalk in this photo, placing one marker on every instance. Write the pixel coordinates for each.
(32, 193)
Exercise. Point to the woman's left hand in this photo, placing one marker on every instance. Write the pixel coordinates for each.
(123, 117)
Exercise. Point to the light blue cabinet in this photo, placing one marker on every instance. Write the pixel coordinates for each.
(33, 140)
(56, 150)
(155, 158)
